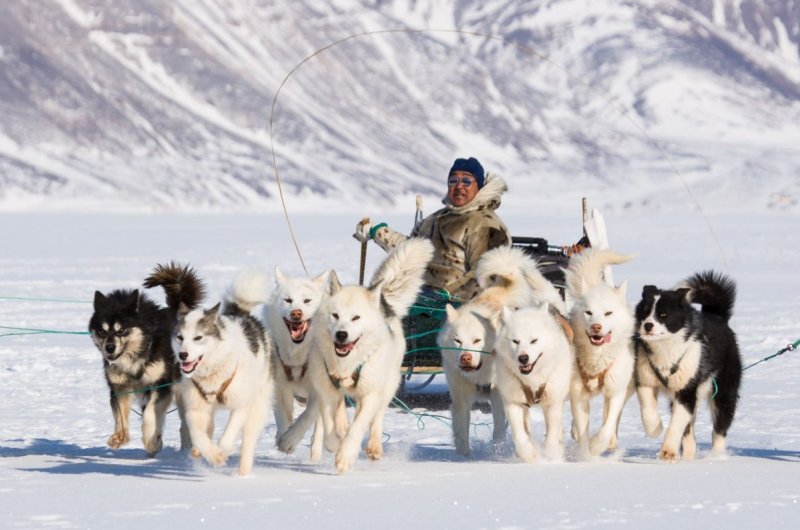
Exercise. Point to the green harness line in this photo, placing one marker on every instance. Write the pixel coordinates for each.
(36, 299)
(32, 331)
(789, 347)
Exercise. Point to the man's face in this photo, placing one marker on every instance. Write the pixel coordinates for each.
(461, 187)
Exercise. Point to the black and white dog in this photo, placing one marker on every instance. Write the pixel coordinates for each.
(691, 354)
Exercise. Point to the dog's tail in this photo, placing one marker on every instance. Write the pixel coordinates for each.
(714, 291)
(249, 289)
(518, 273)
(585, 270)
(400, 276)
(181, 285)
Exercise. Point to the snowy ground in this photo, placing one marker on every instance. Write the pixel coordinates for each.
(56, 472)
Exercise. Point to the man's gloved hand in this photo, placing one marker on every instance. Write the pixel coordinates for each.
(362, 231)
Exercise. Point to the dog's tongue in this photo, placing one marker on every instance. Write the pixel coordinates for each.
(345, 348)
(605, 339)
(298, 329)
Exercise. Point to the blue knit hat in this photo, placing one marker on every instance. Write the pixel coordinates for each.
(470, 165)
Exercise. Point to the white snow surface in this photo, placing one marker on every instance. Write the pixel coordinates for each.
(57, 472)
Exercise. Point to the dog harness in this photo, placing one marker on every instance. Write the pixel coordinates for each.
(586, 378)
(220, 394)
(339, 382)
(288, 369)
(532, 398)
(661, 377)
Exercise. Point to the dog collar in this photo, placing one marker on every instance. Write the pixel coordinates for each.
(288, 369)
(338, 382)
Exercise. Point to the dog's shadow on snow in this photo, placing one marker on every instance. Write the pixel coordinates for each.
(780, 455)
(64, 458)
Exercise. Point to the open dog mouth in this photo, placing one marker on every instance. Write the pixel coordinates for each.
(343, 350)
(599, 340)
(190, 366)
(470, 368)
(525, 369)
(297, 330)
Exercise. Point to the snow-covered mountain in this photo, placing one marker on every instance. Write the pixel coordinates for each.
(149, 105)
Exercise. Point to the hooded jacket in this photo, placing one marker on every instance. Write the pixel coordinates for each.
(460, 235)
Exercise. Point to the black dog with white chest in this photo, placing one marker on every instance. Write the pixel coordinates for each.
(692, 355)
(134, 335)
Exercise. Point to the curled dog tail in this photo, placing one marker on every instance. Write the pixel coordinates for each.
(180, 283)
(585, 269)
(400, 276)
(714, 291)
(249, 289)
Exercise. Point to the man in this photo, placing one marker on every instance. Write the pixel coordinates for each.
(461, 231)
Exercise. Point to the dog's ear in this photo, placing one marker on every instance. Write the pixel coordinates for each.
(650, 291)
(214, 311)
(685, 294)
(132, 302)
(334, 285)
(452, 313)
(322, 280)
(99, 300)
(622, 290)
(279, 276)
(183, 309)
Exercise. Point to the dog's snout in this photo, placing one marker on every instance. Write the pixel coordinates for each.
(597, 328)
(523, 359)
(341, 337)
(296, 314)
(183, 355)
(648, 327)
(466, 358)
(110, 347)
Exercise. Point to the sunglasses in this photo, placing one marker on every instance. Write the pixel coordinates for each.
(464, 181)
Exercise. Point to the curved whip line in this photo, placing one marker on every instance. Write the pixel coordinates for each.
(525, 49)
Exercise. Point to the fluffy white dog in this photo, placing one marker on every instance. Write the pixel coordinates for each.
(534, 367)
(604, 324)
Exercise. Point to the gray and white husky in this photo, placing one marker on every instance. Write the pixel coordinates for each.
(224, 356)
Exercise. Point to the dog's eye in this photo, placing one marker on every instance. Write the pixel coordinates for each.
(534, 341)
(515, 341)
(662, 315)
(179, 337)
(287, 300)
(335, 316)
(198, 338)
(457, 342)
(122, 333)
(588, 313)
(307, 301)
(355, 318)
(101, 333)
(476, 341)
(609, 313)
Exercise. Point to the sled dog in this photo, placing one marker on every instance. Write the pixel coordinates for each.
(507, 277)
(290, 316)
(224, 356)
(362, 355)
(534, 367)
(691, 355)
(134, 336)
(604, 357)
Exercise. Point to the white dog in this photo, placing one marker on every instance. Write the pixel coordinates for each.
(290, 319)
(224, 357)
(604, 324)
(466, 340)
(508, 277)
(362, 356)
(534, 367)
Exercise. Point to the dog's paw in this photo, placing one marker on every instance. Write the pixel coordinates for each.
(118, 439)
(599, 444)
(333, 443)
(153, 446)
(195, 453)
(375, 450)
(345, 458)
(216, 457)
(669, 454)
(654, 428)
(287, 442)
